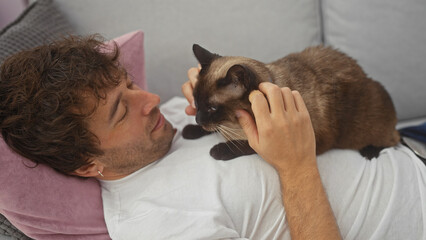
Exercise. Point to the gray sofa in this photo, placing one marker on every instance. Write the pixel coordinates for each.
(387, 37)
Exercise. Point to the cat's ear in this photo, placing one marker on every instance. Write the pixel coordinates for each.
(239, 74)
(203, 56)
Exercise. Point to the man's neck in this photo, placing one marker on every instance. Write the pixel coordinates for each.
(112, 176)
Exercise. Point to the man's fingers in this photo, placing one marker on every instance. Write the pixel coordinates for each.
(288, 100)
(187, 91)
(188, 87)
(260, 107)
(274, 95)
(193, 75)
(189, 110)
(249, 126)
(298, 100)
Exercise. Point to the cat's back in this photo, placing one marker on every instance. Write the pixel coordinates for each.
(348, 109)
(318, 55)
(317, 63)
(327, 59)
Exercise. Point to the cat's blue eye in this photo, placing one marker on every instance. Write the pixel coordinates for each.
(212, 109)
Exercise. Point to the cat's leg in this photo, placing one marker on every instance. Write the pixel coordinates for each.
(231, 149)
(371, 151)
(193, 131)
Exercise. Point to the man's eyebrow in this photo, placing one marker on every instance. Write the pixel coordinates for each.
(115, 106)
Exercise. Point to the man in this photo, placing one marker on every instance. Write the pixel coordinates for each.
(71, 107)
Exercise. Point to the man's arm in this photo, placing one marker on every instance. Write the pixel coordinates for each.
(282, 134)
(309, 214)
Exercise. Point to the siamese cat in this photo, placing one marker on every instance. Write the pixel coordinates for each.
(348, 109)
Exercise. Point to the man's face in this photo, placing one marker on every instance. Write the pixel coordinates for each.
(132, 131)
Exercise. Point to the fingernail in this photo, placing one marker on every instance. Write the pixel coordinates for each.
(238, 114)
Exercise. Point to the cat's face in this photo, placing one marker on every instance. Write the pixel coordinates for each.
(217, 100)
(223, 87)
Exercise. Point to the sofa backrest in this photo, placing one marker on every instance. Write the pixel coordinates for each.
(387, 37)
(264, 30)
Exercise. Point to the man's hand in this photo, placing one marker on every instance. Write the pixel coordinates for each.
(188, 88)
(282, 134)
(282, 131)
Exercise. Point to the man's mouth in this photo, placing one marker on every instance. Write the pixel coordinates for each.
(160, 122)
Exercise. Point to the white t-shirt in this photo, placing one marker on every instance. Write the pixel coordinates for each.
(189, 195)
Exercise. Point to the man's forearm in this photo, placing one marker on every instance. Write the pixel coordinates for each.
(308, 210)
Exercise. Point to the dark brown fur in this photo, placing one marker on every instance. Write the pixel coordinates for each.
(348, 109)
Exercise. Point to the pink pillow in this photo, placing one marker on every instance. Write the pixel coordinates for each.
(132, 56)
(45, 204)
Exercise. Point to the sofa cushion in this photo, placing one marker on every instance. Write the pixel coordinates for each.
(388, 38)
(39, 23)
(132, 56)
(44, 204)
(7, 229)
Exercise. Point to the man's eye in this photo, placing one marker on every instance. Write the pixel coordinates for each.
(124, 115)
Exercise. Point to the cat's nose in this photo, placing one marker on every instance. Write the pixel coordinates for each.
(197, 118)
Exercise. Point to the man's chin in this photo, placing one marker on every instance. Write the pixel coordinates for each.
(169, 136)
(167, 146)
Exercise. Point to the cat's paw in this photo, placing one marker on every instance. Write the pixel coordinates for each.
(231, 150)
(221, 151)
(192, 131)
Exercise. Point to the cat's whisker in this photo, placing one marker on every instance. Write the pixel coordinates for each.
(236, 133)
(239, 130)
(216, 130)
(236, 138)
(226, 134)
(231, 137)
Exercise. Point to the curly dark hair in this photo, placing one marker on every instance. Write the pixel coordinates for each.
(43, 99)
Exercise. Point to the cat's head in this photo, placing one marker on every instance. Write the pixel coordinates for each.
(223, 86)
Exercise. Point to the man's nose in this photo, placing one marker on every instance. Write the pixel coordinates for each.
(148, 101)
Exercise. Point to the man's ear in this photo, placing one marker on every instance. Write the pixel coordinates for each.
(203, 56)
(90, 170)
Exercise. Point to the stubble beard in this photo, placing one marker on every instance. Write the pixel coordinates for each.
(136, 155)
